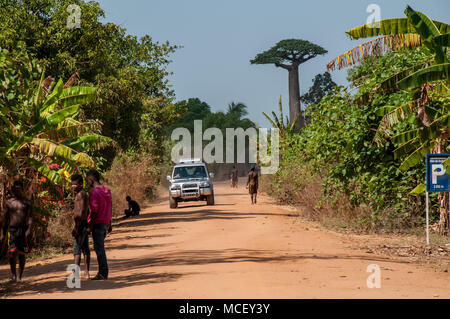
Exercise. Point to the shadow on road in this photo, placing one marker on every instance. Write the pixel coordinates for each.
(137, 275)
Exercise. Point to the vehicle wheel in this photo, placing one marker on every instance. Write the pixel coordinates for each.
(210, 199)
(173, 203)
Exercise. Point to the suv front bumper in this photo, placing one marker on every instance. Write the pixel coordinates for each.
(191, 193)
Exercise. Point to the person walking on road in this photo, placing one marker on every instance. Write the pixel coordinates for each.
(100, 204)
(252, 184)
(234, 177)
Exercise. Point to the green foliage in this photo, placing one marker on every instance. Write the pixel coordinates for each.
(290, 50)
(42, 143)
(322, 85)
(339, 145)
(390, 26)
(285, 128)
(39, 125)
(195, 109)
(126, 70)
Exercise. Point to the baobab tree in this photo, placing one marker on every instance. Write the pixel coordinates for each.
(289, 54)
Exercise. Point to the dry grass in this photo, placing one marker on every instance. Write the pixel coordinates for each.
(60, 228)
(135, 177)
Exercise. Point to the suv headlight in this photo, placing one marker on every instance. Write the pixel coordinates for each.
(204, 184)
(175, 187)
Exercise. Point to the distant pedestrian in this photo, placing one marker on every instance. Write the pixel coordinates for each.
(133, 208)
(252, 184)
(80, 230)
(99, 220)
(18, 221)
(234, 177)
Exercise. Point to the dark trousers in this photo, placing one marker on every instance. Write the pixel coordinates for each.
(98, 236)
(129, 212)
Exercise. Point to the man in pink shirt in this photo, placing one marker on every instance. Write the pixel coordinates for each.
(99, 220)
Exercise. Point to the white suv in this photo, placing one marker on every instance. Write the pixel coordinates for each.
(190, 181)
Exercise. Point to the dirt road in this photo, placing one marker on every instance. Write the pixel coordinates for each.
(231, 250)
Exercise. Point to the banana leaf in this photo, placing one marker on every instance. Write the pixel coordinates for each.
(391, 26)
(53, 97)
(443, 40)
(428, 31)
(430, 74)
(51, 148)
(87, 142)
(76, 95)
(419, 189)
(50, 174)
(417, 156)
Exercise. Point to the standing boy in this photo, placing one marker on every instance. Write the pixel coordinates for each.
(80, 230)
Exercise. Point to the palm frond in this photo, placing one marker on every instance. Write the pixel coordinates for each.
(88, 142)
(390, 27)
(427, 75)
(375, 47)
(417, 156)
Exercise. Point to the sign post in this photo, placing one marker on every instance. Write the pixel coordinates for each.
(427, 218)
(437, 181)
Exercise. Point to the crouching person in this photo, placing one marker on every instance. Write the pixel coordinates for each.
(133, 208)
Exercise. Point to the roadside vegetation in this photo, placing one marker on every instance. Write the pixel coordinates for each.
(359, 163)
(74, 99)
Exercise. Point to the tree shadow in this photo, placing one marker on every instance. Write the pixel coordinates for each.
(139, 274)
(189, 216)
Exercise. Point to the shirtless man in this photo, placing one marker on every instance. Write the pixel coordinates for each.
(19, 218)
(80, 230)
(252, 184)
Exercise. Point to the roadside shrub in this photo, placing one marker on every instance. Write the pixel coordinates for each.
(59, 229)
(134, 175)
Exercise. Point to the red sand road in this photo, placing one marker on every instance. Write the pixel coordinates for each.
(231, 250)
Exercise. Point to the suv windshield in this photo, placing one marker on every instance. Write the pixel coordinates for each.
(189, 172)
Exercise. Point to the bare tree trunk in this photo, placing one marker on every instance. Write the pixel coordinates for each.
(442, 197)
(443, 214)
(294, 97)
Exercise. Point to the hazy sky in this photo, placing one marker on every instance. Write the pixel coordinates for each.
(219, 38)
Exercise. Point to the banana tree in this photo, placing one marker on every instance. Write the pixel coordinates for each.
(41, 140)
(285, 128)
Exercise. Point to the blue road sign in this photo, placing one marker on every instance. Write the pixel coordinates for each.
(437, 179)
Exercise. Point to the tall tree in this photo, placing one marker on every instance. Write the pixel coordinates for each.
(289, 54)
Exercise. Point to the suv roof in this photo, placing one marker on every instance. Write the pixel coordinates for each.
(190, 160)
(190, 164)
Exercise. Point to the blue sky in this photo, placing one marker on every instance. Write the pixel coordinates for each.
(219, 38)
